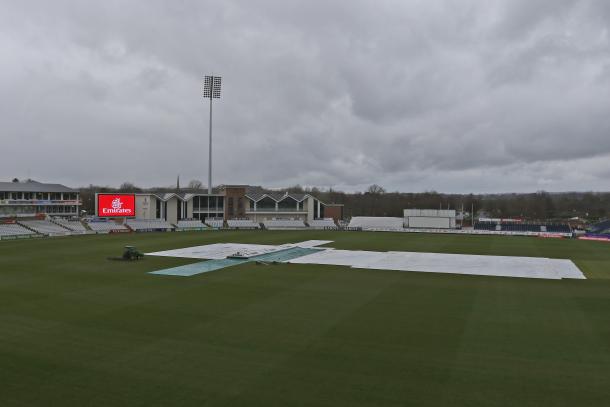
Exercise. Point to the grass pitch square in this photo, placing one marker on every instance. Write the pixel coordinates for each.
(79, 330)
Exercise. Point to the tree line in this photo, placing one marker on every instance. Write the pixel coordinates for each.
(541, 205)
(376, 201)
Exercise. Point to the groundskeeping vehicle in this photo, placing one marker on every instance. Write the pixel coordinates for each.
(131, 253)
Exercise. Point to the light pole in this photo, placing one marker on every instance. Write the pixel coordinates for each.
(211, 90)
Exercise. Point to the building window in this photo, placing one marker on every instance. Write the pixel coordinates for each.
(204, 203)
(287, 204)
(265, 204)
(231, 209)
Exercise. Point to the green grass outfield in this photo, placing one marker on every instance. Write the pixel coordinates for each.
(79, 330)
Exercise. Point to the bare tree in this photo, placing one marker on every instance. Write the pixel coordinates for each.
(376, 190)
(195, 184)
(129, 187)
(296, 189)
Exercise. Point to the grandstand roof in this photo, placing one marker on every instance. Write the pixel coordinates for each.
(254, 193)
(257, 193)
(33, 186)
(183, 196)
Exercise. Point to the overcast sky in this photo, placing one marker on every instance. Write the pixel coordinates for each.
(453, 96)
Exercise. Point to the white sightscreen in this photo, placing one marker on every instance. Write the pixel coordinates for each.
(428, 222)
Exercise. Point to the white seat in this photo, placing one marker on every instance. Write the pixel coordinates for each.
(105, 226)
(284, 224)
(378, 223)
(326, 223)
(242, 224)
(190, 224)
(45, 227)
(14, 229)
(215, 223)
(148, 224)
(73, 225)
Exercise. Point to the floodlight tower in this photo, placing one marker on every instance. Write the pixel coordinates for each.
(211, 90)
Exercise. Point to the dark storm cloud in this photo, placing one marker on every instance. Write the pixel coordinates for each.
(414, 95)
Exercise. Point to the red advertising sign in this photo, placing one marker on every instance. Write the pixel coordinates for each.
(116, 205)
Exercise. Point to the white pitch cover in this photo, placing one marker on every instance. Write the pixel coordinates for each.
(502, 266)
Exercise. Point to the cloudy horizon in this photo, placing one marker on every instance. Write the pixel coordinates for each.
(458, 97)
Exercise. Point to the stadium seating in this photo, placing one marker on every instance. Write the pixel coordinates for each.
(377, 223)
(601, 227)
(558, 228)
(45, 227)
(284, 224)
(148, 224)
(73, 225)
(343, 223)
(190, 224)
(484, 226)
(215, 223)
(14, 229)
(523, 227)
(105, 226)
(326, 223)
(242, 224)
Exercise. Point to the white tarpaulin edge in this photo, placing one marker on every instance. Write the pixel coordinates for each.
(502, 266)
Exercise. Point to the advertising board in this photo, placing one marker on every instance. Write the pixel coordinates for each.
(116, 205)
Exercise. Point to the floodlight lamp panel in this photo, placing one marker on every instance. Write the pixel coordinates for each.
(216, 82)
(211, 86)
